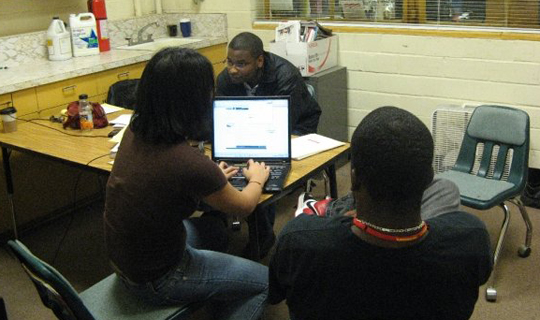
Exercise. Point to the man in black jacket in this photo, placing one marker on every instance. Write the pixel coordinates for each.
(253, 72)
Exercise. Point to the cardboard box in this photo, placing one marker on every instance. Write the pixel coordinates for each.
(309, 57)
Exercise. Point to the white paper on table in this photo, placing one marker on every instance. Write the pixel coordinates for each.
(115, 148)
(310, 144)
(109, 108)
(122, 120)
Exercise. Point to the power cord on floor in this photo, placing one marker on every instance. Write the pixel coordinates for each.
(72, 214)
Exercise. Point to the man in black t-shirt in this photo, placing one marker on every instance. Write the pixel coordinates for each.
(383, 260)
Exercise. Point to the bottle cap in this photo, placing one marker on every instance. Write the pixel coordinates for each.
(55, 18)
(83, 96)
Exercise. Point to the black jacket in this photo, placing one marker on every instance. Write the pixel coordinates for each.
(280, 77)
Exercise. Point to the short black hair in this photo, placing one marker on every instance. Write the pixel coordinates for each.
(174, 97)
(249, 42)
(392, 155)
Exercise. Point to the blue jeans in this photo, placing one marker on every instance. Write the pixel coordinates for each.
(232, 287)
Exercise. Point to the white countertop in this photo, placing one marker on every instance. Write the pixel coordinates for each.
(44, 72)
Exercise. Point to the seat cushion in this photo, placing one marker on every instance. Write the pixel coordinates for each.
(475, 189)
(110, 300)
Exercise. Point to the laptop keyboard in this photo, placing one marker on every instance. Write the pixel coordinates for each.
(275, 181)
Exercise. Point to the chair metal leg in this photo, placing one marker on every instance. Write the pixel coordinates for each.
(310, 184)
(13, 216)
(525, 250)
(491, 292)
(326, 179)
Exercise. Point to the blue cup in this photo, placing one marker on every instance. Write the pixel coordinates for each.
(185, 27)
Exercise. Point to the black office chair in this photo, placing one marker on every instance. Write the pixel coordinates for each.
(123, 93)
(492, 168)
(107, 300)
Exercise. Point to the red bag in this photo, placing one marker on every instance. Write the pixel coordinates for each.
(98, 114)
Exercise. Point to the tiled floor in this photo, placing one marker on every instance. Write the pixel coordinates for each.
(81, 258)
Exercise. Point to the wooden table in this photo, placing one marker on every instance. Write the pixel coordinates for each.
(90, 150)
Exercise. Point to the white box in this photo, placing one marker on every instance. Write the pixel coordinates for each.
(308, 57)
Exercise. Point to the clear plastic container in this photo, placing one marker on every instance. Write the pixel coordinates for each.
(85, 113)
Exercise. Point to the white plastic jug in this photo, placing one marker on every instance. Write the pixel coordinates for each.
(58, 41)
(83, 34)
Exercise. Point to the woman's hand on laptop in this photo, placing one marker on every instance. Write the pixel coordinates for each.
(228, 171)
(256, 172)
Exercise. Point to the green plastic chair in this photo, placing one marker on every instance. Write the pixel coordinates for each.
(492, 168)
(106, 300)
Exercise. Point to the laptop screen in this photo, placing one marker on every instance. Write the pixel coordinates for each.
(251, 127)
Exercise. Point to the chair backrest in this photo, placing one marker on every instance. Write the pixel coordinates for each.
(496, 145)
(55, 291)
(123, 93)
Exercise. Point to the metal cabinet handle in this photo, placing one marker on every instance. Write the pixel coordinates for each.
(69, 88)
(123, 74)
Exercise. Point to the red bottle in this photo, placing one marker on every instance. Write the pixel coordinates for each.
(97, 7)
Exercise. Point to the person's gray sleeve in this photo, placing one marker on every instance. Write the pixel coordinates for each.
(440, 197)
(341, 206)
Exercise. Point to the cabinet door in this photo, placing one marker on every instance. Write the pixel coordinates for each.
(107, 78)
(5, 100)
(63, 92)
(217, 55)
(25, 101)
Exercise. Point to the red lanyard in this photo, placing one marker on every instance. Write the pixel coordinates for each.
(383, 236)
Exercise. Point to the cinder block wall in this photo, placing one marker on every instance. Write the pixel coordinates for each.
(419, 73)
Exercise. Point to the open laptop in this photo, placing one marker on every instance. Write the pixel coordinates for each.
(255, 128)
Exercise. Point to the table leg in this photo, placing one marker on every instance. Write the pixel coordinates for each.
(253, 232)
(331, 172)
(9, 187)
(3, 312)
